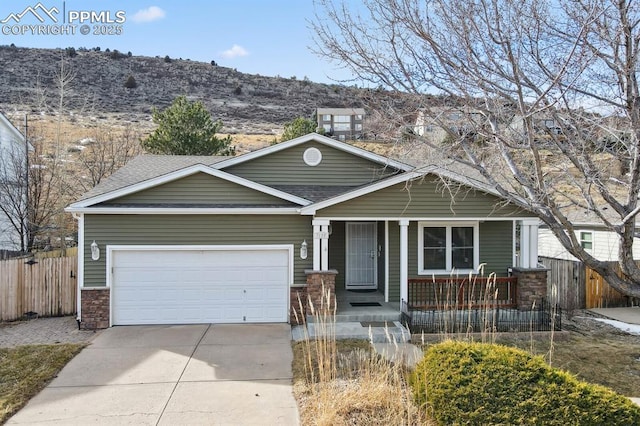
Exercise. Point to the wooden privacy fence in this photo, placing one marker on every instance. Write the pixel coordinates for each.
(47, 287)
(599, 294)
(574, 286)
(565, 283)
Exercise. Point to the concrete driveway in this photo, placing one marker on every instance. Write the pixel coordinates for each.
(167, 375)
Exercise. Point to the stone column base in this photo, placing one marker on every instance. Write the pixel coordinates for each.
(321, 292)
(94, 304)
(531, 287)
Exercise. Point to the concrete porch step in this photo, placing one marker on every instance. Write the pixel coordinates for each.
(361, 316)
(374, 331)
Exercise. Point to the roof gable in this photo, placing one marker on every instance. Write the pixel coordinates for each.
(339, 164)
(315, 137)
(10, 128)
(200, 190)
(179, 174)
(10, 135)
(147, 167)
(416, 194)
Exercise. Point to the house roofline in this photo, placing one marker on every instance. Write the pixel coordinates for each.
(316, 138)
(13, 129)
(184, 210)
(181, 173)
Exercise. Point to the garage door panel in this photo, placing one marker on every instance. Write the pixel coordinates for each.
(153, 286)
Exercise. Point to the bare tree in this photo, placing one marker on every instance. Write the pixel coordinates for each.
(13, 196)
(46, 197)
(106, 153)
(548, 90)
(29, 195)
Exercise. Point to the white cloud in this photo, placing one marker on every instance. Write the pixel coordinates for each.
(235, 52)
(152, 13)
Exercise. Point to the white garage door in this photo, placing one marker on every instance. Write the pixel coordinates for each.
(153, 286)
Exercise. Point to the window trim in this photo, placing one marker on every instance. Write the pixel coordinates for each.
(582, 240)
(448, 256)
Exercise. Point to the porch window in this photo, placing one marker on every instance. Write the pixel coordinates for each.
(443, 248)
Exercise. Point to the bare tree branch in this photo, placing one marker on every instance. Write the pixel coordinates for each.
(547, 93)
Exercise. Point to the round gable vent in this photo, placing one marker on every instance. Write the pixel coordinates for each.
(312, 156)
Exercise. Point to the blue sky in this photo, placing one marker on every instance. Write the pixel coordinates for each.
(267, 37)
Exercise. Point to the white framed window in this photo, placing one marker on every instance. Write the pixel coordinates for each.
(326, 117)
(341, 123)
(586, 240)
(444, 247)
(358, 127)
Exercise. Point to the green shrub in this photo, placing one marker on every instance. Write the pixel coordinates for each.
(131, 82)
(479, 383)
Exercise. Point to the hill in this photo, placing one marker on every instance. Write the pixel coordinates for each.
(94, 82)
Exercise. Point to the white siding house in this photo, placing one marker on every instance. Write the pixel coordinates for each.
(12, 145)
(603, 245)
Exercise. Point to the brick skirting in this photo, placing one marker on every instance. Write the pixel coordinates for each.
(321, 291)
(94, 303)
(298, 301)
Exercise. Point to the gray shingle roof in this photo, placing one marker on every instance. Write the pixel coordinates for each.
(314, 193)
(146, 167)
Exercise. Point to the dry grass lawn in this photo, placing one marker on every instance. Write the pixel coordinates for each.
(25, 370)
(344, 383)
(595, 352)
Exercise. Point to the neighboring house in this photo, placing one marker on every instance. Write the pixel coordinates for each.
(545, 127)
(601, 243)
(437, 123)
(182, 239)
(341, 123)
(12, 159)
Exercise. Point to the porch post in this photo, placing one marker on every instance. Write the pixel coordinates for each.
(324, 255)
(320, 244)
(386, 261)
(533, 244)
(404, 260)
(529, 243)
(316, 246)
(524, 245)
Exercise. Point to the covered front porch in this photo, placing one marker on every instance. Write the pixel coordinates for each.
(381, 265)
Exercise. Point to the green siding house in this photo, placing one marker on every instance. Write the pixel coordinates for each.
(186, 239)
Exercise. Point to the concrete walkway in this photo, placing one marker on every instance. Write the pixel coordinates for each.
(166, 375)
(629, 315)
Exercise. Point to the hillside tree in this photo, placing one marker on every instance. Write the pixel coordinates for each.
(508, 65)
(299, 127)
(186, 128)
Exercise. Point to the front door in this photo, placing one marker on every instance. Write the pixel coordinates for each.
(362, 255)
